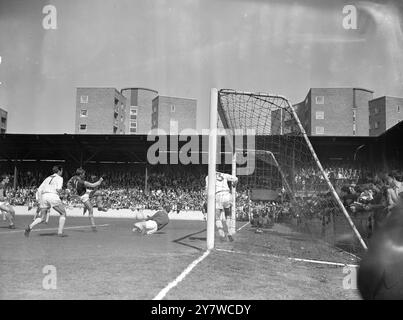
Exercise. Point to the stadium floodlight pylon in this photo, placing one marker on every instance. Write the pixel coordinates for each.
(284, 158)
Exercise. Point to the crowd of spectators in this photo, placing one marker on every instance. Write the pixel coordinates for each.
(361, 189)
(127, 189)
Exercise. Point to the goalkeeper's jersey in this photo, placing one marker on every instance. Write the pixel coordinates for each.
(161, 218)
(221, 182)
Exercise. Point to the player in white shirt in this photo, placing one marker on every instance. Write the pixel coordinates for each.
(223, 201)
(48, 194)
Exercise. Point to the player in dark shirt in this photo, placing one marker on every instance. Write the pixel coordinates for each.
(4, 206)
(78, 185)
(153, 223)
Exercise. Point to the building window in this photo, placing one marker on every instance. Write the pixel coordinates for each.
(376, 110)
(133, 130)
(83, 113)
(83, 127)
(376, 125)
(84, 99)
(133, 117)
(320, 130)
(354, 115)
(3, 121)
(172, 108)
(398, 108)
(133, 110)
(320, 115)
(133, 124)
(354, 129)
(115, 129)
(320, 100)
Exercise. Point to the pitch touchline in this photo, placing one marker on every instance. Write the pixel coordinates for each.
(293, 259)
(49, 229)
(182, 276)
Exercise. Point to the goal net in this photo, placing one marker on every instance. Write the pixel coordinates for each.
(292, 206)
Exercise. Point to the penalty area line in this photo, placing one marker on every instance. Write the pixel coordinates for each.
(240, 228)
(182, 276)
(329, 263)
(50, 229)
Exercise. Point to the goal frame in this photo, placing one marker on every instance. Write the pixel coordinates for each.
(216, 110)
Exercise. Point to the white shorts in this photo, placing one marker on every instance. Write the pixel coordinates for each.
(223, 200)
(85, 197)
(150, 226)
(49, 200)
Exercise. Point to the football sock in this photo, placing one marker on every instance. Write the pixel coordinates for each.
(36, 221)
(62, 220)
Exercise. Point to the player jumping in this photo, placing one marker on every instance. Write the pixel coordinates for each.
(48, 195)
(7, 210)
(153, 223)
(223, 204)
(78, 185)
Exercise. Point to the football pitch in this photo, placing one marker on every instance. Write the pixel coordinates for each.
(172, 264)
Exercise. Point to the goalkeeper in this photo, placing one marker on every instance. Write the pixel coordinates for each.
(223, 204)
(150, 224)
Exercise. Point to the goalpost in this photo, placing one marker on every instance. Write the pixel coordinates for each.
(283, 156)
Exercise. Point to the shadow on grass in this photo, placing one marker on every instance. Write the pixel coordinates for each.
(53, 234)
(190, 237)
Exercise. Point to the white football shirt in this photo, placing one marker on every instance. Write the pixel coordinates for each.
(51, 184)
(221, 181)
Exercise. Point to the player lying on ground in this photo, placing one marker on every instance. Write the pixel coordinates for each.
(5, 208)
(79, 186)
(48, 194)
(223, 201)
(150, 224)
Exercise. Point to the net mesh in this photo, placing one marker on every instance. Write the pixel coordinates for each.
(284, 194)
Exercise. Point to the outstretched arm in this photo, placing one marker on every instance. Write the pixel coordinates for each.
(230, 177)
(93, 185)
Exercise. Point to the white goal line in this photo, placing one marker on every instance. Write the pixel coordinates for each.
(329, 263)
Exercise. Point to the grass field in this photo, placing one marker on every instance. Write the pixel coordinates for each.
(114, 263)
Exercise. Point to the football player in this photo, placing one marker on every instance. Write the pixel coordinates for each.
(5, 208)
(78, 185)
(151, 224)
(48, 195)
(223, 204)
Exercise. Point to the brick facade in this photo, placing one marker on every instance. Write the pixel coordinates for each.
(140, 99)
(384, 113)
(335, 112)
(100, 111)
(3, 121)
(174, 115)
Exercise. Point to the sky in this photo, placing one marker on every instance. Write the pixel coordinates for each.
(183, 48)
